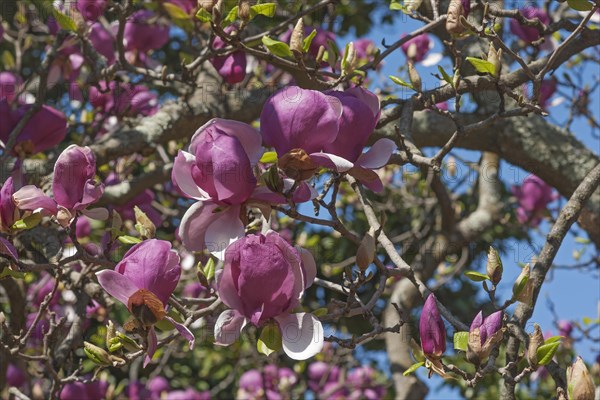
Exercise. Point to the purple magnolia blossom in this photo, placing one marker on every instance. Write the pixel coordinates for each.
(91, 10)
(188, 394)
(124, 99)
(320, 373)
(103, 41)
(217, 171)
(365, 48)
(565, 328)
(44, 130)
(157, 386)
(488, 326)
(231, 67)
(362, 386)
(9, 86)
(144, 33)
(15, 376)
(547, 90)
(73, 185)
(432, 329)
(296, 118)
(143, 281)
(416, 48)
(67, 67)
(276, 383)
(359, 117)
(263, 279)
(89, 391)
(526, 33)
(533, 197)
(9, 213)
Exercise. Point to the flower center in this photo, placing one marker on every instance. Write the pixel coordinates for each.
(146, 307)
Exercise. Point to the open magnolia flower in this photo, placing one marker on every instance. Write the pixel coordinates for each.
(143, 281)
(218, 172)
(331, 127)
(73, 185)
(484, 334)
(262, 281)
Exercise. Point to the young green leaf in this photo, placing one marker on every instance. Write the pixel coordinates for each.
(64, 21)
(413, 368)
(445, 75)
(28, 222)
(266, 9)
(546, 351)
(461, 340)
(399, 81)
(482, 66)
(476, 276)
(269, 157)
(126, 239)
(276, 47)
(205, 16)
(308, 40)
(269, 340)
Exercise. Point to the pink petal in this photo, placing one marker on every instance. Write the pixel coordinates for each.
(184, 331)
(195, 222)
(99, 214)
(228, 327)
(182, 175)
(331, 161)
(118, 286)
(368, 178)
(7, 248)
(31, 198)
(308, 265)
(152, 345)
(227, 230)
(302, 335)
(378, 155)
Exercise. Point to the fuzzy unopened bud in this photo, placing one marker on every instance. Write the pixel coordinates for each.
(297, 165)
(536, 339)
(96, 354)
(494, 266)
(366, 251)
(456, 10)
(111, 333)
(579, 382)
(320, 55)
(495, 57)
(521, 281)
(144, 225)
(415, 78)
(297, 38)
(349, 60)
(244, 10)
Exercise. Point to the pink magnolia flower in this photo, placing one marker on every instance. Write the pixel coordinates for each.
(484, 334)
(362, 385)
(416, 48)
(67, 67)
(231, 67)
(320, 373)
(188, 394)
(547, 90)
(262, 280)
(143, 32)
(143, 281)
(73, 186)
(526, 33)
(9, 213)
(432, 329)
(533, 197)
(276, 381)
(44, 130)
(91, 10)
(103, 41)
(157, 386)
(124, 99)
(9, 86)
(15, 376)
(95, 390)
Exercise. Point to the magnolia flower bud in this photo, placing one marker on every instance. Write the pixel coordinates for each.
(366, 250)
(432, 330)
(521, 281)
(297, 165)
(111, 333)
(96, 354)
(320, 54)
(244, 10)
(297, 38)
(579, 381)
(456, 9)
(484, 334)
(207, 4)
(415, 78)
(349, 60)
(494, 266)
(143, 224)
(495, 57)
(535, 341)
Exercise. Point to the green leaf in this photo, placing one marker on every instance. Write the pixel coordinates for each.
(269, 340)
(445, 75)
(483, 66)
(126, 239)
(546, 351)
(319, 312)
(582, 240)
(8, 61)
(175, 12)
(64, 21)
(461, 341)
(413, 368)
(205, 16)
(399, 81)
(476, 276)
(276, 47)
(209, 269)
(588, 321)
(28, 222)
(396, 6)
(269, 157)
(580, 5)
(266, 9)
(231, 15)
(308, 40)
(519, 286)
(9, 272)
(553, 339)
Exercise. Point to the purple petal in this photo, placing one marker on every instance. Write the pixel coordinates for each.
(182, 175)
(117, 285)
(309, 266)
(195, 222)
(228, 327)
(7, 248)
(378, 155)
(184, 331)
(74, 168)
(31, 198)
(331, 161)
(432, 329)
(302, 335)
(477, 321)
(152, 345)
(227, 230)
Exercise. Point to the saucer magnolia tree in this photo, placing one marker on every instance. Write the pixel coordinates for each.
(272, 200)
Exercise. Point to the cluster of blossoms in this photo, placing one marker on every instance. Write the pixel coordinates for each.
(533, 196)
(359, 383)
(271, 383)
